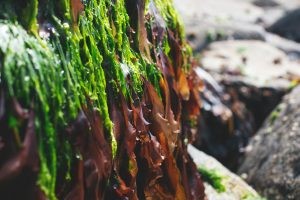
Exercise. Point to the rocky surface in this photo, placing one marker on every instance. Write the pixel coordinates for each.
(250, 49)
(252, 67)
(257, 63)
(288, 4)
(272, 163)
(291, 48)
(225, 125)
(246, 81)
(235, 187)
(288, 26)
(207, 21)
(255, 72)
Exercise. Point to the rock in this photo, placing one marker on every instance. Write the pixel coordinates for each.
(234, 10)
(224, 126)
(288, 4)
(288, 26)
(207, 21)
(262, 64)
(235, 187)
(266, 3)
(272, 162)
(291, 48)
(282, 4)
(270, 16)
(204, 31)
(254, 72)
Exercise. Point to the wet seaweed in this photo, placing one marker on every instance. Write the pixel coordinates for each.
(106, 91)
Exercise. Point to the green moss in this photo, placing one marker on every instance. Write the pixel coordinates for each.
(213, 178)
(293, 84)
(275, 114)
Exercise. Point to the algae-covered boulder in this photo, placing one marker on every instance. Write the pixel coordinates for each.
(92, 96)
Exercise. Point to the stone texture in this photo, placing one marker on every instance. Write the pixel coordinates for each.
(259, 63)
(272, 162)
(225, 125)
(255, 72)
(288, 26)
(236, 188)
(207, 21)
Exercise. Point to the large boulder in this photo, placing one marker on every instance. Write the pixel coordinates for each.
(272, 162)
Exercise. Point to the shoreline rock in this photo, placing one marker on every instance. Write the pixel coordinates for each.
(235, 187)
(272, 160)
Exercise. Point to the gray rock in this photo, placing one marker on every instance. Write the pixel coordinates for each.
(288, 26)
(255, 76)
(207, 21)
(270, 16)
(291, 48)
(235, 187)
(272, 162)
(225, 10)
(288, 4)
(255, 62)
(224, 126)
(202, 32)
(255, 72)
(266, 3)
(282, 4)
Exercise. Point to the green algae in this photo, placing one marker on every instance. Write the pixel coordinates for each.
(213, 178)
(75, 67)
(175, 24)
(30, 73)
(275, 114)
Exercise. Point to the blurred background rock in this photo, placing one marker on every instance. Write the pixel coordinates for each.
(248, 53)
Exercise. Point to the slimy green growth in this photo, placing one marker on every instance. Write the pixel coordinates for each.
(79, 61)
(213, 178)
